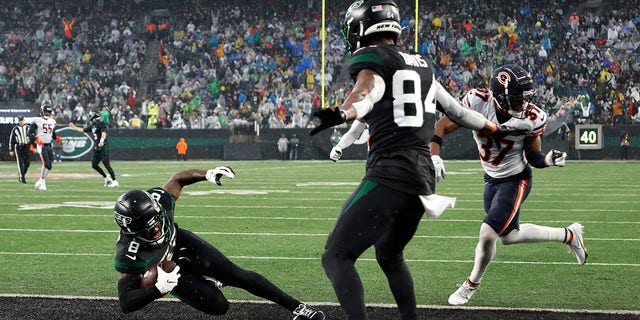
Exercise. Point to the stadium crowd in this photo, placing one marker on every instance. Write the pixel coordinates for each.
(242, 64)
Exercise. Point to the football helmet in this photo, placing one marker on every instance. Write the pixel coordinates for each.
(93, 116)
(143, 218)
(46, 109)
(368, 17)
(512, 87)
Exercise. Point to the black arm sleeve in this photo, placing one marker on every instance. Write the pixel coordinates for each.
(32, 131)
(132, 297)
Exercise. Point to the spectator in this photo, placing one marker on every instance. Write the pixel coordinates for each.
(625, 145)
(283, 144)
(294, 143)
(181, 148)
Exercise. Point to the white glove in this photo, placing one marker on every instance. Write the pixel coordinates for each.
(438, 166)
(555, 158)
(214, 175)
(335, 154)
(167, 280)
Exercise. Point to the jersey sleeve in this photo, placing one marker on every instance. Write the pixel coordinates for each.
(534, 123)
(366, 58)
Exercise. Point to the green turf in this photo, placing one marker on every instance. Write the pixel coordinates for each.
(275, 216)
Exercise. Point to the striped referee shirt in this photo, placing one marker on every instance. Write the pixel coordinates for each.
(19, 136)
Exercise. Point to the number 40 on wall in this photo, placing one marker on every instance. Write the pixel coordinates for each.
(588, 137)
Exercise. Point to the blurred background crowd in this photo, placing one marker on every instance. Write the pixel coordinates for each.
(257, 64)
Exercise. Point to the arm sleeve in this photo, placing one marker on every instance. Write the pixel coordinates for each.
(352, 135)
(455, 111)
(132, 297)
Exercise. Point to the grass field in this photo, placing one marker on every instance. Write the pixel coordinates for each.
(275, 216)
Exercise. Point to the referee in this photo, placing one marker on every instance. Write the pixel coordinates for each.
(19, 147)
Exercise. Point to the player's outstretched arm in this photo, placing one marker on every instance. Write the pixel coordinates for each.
(443, 126)
(461, 115)
(357, 127)
(184, 178)
(368, 89)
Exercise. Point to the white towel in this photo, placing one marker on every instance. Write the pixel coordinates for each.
(434, 205)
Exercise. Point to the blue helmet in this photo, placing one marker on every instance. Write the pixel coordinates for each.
(512, 86)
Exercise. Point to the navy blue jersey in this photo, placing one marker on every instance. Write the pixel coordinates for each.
(401, 123)
(133, 257)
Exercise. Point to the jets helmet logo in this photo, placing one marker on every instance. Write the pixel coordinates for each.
(123, 221)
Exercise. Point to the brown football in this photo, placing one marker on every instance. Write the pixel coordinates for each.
(150, 277)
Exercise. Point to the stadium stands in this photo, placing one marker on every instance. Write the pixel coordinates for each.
(204, 64)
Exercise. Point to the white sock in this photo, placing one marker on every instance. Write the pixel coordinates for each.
(530, 233)
(485, 252)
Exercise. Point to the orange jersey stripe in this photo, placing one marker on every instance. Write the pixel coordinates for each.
(522, 187)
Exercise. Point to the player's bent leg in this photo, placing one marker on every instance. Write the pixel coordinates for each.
(201, 294)
(403, 214)
(484, 254)
(531, 233)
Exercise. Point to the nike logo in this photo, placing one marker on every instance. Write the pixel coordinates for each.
(131, 257)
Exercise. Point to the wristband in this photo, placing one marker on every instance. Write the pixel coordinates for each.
(537, 160)
(343, 115)
(437, 139)
(102, 140)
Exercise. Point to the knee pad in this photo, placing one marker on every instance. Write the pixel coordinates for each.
(386, 261)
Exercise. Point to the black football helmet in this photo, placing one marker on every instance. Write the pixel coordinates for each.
(46, 109)
(368, 17)
(93, 116)
(143, 218)
(512, 87)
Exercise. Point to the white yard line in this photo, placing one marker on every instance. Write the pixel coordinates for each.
(318, 258)
(374, 305)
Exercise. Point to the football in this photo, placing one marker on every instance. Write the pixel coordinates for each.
(150, 277)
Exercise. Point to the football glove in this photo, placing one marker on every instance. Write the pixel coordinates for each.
(438, 166)
(167, 280)
(335, 154)
(555, 158)
(39, 142)
(329, 117)
(214, 175)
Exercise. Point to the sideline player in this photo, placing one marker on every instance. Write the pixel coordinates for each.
(98, 130)
(149, 236)
(43, 132)
(506, 163)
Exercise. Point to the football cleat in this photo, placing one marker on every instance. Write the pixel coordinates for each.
(576, 246)
(113, 184)
(107, 181)
(463, 294)
(304, 312)
(215, 282)
(41, 185)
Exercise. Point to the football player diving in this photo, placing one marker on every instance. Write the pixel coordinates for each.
(507, 165)
(149, 237)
